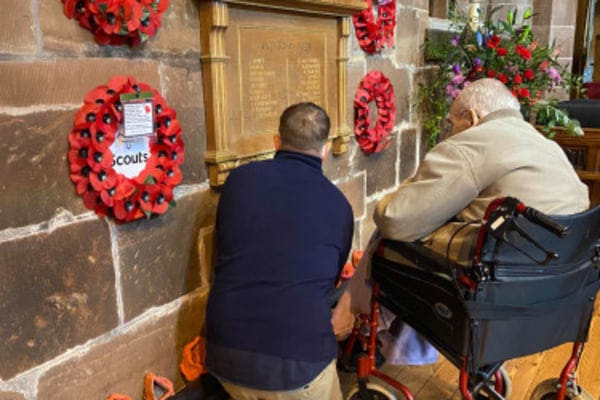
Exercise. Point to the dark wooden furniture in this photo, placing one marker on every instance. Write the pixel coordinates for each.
(584, 154)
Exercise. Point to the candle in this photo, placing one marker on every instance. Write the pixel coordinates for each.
(474, 15)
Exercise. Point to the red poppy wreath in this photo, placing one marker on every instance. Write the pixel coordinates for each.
(125, 151)
(117, 22)
(373, 34)
(374, 86)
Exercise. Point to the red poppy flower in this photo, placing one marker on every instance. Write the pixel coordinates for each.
(501, 51)
(103, 180)
(155, 198)
(70, 7)
(127, 210)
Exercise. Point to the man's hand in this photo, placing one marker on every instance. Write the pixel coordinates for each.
(342, 317)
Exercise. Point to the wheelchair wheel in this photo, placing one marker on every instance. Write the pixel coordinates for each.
(378, 392)
(506, 386)
(548, 389)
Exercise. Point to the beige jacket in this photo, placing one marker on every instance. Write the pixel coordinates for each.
(502, 156)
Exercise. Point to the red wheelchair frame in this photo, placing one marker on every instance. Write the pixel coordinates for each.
(502, 218)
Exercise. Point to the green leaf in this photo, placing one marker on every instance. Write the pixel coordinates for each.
(149, 180)
(527, 14)
(510, 17)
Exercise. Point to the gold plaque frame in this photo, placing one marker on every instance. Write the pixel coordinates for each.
(222, 155)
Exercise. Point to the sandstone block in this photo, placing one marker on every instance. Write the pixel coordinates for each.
(119, 364)
(354, 190)
(66, 81)
(17, 28)
(35, 172)
(159, 257)
(57, 291)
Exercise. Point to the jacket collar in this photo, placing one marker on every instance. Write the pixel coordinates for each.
(504, 113)
(312, 161)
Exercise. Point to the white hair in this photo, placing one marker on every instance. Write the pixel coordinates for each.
(485, 95)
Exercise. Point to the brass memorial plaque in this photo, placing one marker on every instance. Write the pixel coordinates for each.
(262, 58)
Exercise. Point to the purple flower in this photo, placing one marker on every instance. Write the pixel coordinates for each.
(456, 69)
(476, 62)
(452, 91)
(554, 74)
(457, 80)
(454, 41)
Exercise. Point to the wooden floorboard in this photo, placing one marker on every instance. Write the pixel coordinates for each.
(439, 381)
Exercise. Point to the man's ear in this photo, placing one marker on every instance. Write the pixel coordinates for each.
(473, 117)
(325, 150)
(276, 141)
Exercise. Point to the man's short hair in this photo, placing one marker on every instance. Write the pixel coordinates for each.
(487, 95)
(304, 126)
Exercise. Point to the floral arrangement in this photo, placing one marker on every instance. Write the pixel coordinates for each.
(502, 50)
(117, 22)
(97, 125)
(375, 86)
(373, 33)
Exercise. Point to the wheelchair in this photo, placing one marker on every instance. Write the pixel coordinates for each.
(531, 286)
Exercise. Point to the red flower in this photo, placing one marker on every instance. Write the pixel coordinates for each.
(501, 51)
(518, 79)
(493, 41)
(524, 92)
(523, 52)
(155, 198)
(103, 180)
(529, 74)
(70, 8)
(491, 73)
(502, 78)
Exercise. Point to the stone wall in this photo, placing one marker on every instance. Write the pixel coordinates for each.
(89, 306)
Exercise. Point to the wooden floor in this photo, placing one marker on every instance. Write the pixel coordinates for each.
(439, 381)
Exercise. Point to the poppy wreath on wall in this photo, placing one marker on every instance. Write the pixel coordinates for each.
(375, 86)
(117, 22)
(125, 150)
(373, 33)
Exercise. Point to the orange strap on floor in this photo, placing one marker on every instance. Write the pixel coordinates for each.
(193, 358)
(157, 387)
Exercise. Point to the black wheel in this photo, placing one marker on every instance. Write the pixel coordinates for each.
(377, 392)
(548, 389)
(506, 386)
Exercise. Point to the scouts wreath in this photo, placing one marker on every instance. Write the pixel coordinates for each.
(374, 86)
(117, 22)
(373, 33)
(101, 125)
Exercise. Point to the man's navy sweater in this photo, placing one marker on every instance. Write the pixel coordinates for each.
(283, 234)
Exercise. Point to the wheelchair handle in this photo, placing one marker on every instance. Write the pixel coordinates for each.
(543, 220)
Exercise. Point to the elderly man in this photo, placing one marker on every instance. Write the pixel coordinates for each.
(491, 152)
